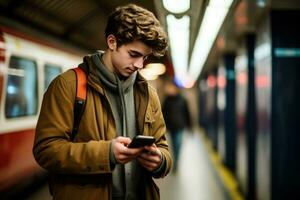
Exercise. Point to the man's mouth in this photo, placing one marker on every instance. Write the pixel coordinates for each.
(131, 70)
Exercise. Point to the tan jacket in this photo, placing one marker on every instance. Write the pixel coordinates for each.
(81, 169)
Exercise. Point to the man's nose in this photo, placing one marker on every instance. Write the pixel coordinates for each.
(139, 63)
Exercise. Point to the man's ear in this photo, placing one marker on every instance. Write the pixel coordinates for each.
(111, 42)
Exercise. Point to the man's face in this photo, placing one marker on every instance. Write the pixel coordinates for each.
(129, 58)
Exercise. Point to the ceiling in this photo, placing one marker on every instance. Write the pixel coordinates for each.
(77, 22)
(80, 23)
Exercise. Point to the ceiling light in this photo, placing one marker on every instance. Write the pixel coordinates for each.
(157, 68)
(148, 75)
(213, 19)
(179, 6)
(179, 37)
(152, 70)
(220, 3)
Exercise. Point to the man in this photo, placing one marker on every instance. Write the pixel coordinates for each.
(120, 104)
(177, 117)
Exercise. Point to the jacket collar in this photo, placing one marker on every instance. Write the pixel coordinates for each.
(89, 66)
(110, 79)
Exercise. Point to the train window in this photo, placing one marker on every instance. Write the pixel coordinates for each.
(50, 71)
(21, 88)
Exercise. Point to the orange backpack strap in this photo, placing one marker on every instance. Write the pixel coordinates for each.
(80, 99)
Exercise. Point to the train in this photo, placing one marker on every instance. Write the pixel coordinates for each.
(27, 66)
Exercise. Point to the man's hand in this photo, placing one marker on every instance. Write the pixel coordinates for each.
(122, 153)
(150, 158)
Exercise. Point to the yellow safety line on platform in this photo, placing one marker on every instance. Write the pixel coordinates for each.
(226, 176)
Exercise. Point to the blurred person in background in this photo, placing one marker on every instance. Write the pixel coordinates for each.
(177, 117)
(97, 163)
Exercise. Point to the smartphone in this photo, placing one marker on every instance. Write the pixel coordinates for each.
(141, 140)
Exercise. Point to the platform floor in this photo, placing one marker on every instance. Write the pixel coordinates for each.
(195, 179)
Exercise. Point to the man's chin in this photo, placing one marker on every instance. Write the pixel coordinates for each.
(124, 75)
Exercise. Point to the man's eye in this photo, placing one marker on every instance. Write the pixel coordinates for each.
(133, 55)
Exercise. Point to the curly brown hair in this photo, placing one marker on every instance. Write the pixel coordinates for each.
(131, 22)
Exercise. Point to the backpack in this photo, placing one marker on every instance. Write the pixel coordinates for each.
(80, 99)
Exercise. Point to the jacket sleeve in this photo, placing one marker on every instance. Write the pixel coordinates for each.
(158, 130)
(52, 148)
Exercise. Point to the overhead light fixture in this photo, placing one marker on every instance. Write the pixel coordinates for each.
(220, 3)
(153, 70)
(179, 36)
(186, 73)
(179, 6)
(213, 19)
